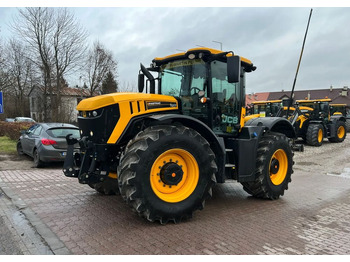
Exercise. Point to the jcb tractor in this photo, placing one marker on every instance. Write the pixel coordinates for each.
(164, 149)
(263, 109)
(344, 110)
(314, 122)
(266, 108)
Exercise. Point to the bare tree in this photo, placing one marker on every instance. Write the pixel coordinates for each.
(34, 27)
(100, 61)
(21, 74)
(68, 46)
(56, 43)
(127, 86)
(4, 83)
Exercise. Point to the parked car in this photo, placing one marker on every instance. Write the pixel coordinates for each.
(46, 142)
(24, 119)
(9, 120)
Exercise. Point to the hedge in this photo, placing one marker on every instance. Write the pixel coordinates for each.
(13, 130)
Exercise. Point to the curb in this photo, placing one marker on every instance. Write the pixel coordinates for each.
(54, 243)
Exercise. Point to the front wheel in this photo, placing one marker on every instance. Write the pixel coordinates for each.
(19, 148)
(315, 135)
(167, 172)
(273, 169)
(36, 158)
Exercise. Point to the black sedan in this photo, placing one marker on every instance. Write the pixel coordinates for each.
(46, 142)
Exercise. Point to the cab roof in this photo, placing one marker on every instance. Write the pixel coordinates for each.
(266, 102)
(161, 60)
(314, 100)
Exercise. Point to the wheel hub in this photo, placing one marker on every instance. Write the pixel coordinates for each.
(171, 173)
(274, 166)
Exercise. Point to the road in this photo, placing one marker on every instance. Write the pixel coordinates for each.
(311, 218)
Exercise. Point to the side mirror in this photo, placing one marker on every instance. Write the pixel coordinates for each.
(233, 69)
(141, 82)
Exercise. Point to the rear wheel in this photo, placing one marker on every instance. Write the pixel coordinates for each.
(340, 132)
(315, 135)
(167, 172)
(273, 169)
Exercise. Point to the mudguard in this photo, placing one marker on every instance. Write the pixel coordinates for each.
(274, 124)
(216, 143)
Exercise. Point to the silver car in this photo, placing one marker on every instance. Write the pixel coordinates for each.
(46, 142)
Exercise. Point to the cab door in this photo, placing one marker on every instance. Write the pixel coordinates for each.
(225, 99)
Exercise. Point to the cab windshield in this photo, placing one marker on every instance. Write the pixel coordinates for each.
(189, 80)
(183, 77)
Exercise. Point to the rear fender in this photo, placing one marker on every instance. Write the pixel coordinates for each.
(274, 124)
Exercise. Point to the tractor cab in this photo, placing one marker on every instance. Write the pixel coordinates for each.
(267, 108)
(317, 109)
(209, 85)
(338, 109)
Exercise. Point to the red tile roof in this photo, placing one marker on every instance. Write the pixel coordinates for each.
(338, 95)
(249, 98)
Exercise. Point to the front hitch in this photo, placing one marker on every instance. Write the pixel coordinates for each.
(68, 167)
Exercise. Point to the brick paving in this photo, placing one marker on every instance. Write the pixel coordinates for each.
(307, 220)
(311, 218)
(17, 235)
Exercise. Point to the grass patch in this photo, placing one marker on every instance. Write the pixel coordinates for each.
(7, 145)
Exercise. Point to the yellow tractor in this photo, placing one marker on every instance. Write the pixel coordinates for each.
(165, 147)
(264, 108)
(315, 122)
(341, 109)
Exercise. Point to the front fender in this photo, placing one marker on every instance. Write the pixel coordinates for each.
(216, 143)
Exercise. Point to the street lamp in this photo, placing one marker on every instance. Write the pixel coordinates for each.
(218, 43)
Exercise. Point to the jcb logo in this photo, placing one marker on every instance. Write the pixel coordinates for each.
(229, 119)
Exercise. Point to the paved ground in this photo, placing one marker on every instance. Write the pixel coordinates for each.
(311, 218)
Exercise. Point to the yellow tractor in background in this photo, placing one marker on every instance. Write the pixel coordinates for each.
(341, 109)
(165, 147)
(264, 108)
(315, 122)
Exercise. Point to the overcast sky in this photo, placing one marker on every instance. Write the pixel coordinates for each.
(271, 37)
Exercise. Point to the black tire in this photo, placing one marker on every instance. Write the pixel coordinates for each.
(36, 158)
(347, 124)
(272, 176)
(340, 133)
(143, 173)
(19, 149)
(109, 186)
(315, 134)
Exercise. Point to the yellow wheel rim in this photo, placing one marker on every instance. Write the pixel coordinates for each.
(341, 132)
(174, 175)
(278, 167)
(320, 135)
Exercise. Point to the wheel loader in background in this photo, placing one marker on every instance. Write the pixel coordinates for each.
(165, 149)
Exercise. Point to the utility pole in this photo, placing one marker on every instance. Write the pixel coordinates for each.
(218, 43)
